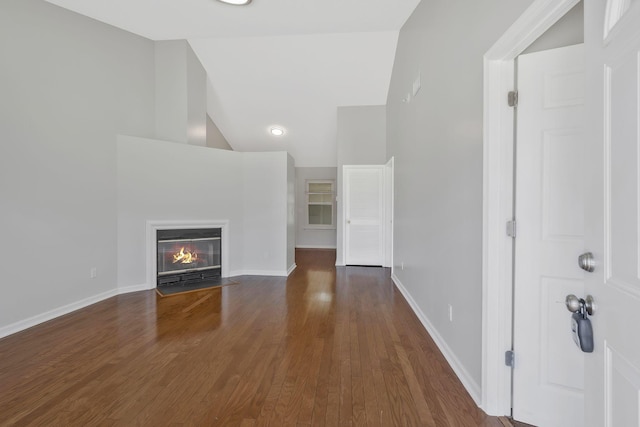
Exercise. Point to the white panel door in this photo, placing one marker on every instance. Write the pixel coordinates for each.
(612, 372)
(548, 373)
(363, 214)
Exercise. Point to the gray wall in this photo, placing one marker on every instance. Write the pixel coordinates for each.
(215, 138)
(436, 140)
(181, 94)
(361, 140)
(196, 99)
(291, 212)
(69, 84)
(171, 92)
(569, 30)
(309, 237)
(265, 212)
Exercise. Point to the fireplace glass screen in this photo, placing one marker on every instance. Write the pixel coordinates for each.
(188, 255)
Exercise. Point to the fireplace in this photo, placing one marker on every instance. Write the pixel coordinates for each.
(188, 257)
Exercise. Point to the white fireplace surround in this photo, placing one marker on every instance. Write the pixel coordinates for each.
(155, 225)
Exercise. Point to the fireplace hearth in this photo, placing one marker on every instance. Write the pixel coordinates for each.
(188, 258)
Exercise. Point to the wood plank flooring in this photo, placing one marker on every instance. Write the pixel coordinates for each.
(325, 347)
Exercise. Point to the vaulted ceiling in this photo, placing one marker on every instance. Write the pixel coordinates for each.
(289, 63)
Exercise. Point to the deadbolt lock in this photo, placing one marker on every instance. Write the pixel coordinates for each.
(587, 262)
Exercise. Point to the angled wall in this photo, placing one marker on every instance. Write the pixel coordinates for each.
(181, 94)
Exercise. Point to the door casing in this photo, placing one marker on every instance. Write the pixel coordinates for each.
(497, 248)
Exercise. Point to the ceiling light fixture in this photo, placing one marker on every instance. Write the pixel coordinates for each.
(236, 2)
(275, 131)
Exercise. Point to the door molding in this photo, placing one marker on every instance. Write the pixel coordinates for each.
(498, 165)
(384, 201)
(388, 213)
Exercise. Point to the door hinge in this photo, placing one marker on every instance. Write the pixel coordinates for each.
(509, 358)
(511, 228)
(512, 98)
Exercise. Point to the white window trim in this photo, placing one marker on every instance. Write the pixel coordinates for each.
(308, 226)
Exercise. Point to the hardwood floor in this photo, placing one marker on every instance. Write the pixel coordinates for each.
(321, 348)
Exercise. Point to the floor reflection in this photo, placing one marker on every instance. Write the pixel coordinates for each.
(321, 286)
(187, 314)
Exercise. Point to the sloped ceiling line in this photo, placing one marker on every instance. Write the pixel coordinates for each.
(276, 62)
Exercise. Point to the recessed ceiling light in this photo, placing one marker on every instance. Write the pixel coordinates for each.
(236, 2)
(275, 131)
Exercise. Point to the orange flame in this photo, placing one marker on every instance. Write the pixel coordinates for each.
(184, 257)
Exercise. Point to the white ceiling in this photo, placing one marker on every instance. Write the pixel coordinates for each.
(284, 62)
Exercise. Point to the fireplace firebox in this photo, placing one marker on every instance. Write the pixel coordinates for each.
(188, 257)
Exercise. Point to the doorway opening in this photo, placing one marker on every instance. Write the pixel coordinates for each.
(498, 196)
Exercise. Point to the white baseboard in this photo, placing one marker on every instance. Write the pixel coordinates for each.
(61, 311)
(293, 267)
(314, 247)
(52, 314)
(467, 381)
(258, 273)
(234, 273)
(265, 273)
(134, 288)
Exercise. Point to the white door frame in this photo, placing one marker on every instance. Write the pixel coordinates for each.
(388, 213)
(498, 197)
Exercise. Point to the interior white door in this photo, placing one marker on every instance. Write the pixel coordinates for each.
(363, 214)
(548, 372)
(612, 372)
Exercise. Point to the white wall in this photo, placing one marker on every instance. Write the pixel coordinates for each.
(436, 140)
(181, 94)
(196, 99)
(569, 30)
(171, 90)
(265, 213)
(215, 138)
(69, 84)
(159, 180)
(361, 140)
(312, 237)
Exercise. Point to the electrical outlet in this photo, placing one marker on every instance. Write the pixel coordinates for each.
(402, 265)
(93, 273)
(450, 313)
